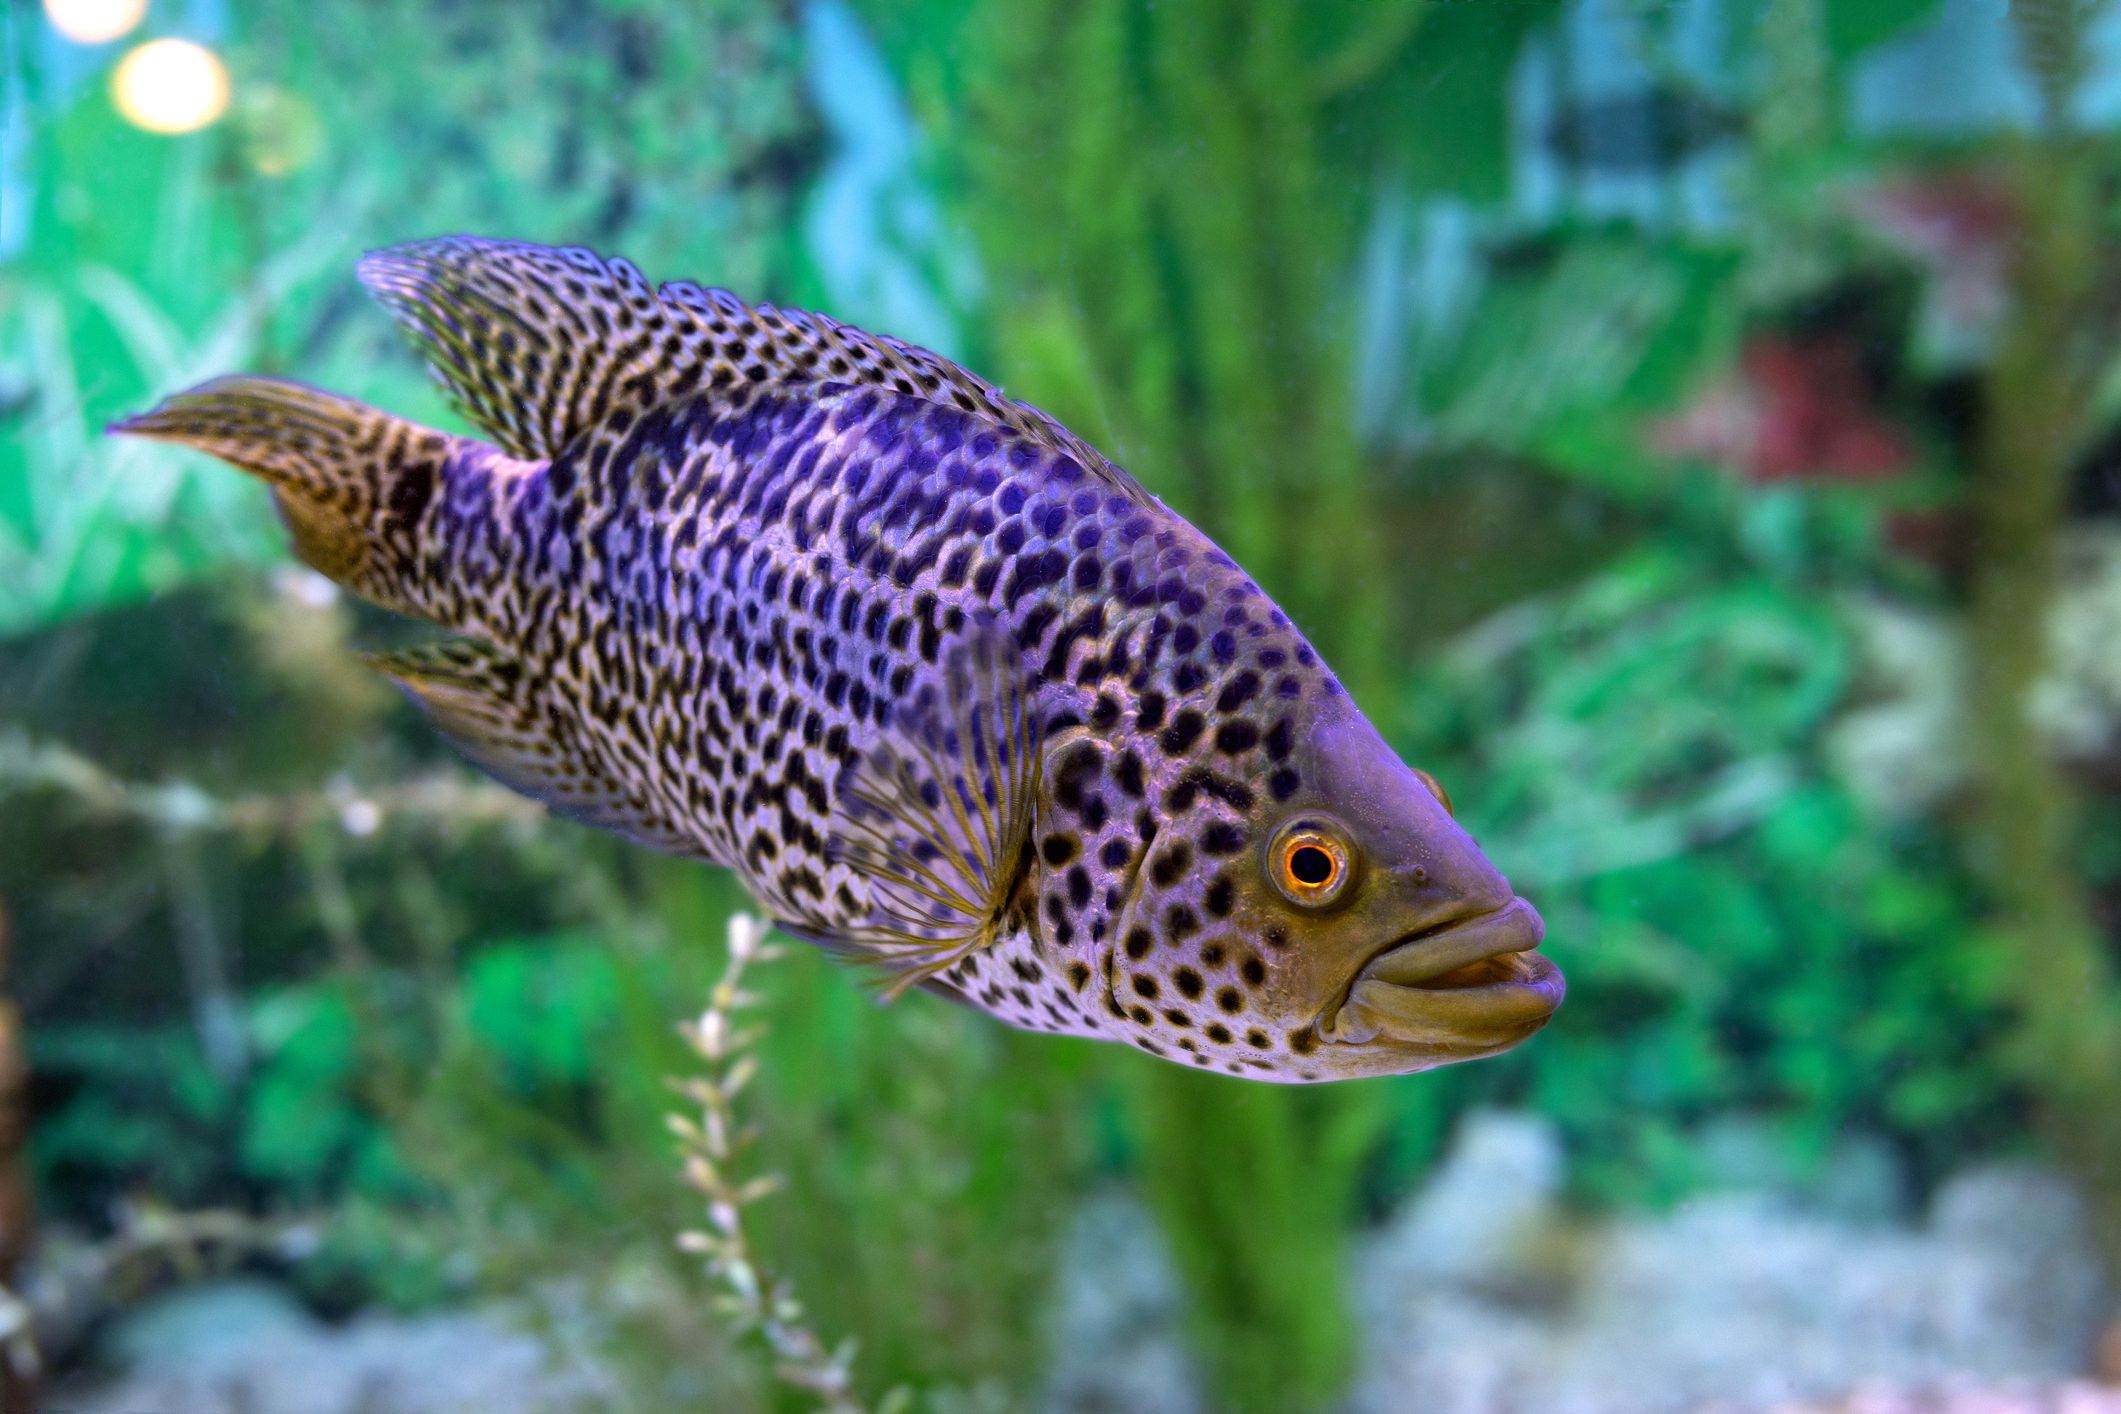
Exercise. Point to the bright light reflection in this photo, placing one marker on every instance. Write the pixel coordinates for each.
(170, 86)
(94, 21)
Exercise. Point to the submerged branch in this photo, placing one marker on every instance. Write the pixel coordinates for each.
(71, 1288)
(179, 807)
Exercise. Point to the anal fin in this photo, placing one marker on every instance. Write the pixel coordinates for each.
(489, 707)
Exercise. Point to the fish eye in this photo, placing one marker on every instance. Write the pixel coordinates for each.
(1310, 863)
(1443, 797)
(1311, 866)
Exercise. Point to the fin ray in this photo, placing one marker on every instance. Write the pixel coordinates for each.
(937, 816)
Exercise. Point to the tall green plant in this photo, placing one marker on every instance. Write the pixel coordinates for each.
(1168, 202)
(2060, 975)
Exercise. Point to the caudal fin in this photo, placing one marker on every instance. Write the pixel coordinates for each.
(352, 482)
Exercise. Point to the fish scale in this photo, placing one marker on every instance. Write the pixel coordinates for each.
(952, 693)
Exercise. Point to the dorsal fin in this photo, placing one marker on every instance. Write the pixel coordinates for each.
(539, 344)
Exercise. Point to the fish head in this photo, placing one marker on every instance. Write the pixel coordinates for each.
(1330, 921)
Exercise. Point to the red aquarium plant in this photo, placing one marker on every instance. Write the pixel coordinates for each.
(1798, 407)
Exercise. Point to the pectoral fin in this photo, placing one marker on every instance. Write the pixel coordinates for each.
(937, 816)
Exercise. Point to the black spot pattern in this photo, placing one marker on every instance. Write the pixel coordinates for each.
(735, 537)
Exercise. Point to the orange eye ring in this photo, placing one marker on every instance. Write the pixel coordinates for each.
(1310, 862)
(1443, 797)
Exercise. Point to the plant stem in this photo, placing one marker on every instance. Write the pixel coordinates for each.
(712, 1139)
(1255, 1202)
(2060, 980)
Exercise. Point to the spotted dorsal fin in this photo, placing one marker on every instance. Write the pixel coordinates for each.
(539, 344)
(936, 816)
(488, 707)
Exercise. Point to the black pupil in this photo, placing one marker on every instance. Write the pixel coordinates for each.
(1308, 864)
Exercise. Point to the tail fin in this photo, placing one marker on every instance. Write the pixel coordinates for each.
(352, 482)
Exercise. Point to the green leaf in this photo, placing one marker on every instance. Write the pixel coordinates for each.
(542, 1007)
(1450, 93)
(304, 1114)
(1852, 26)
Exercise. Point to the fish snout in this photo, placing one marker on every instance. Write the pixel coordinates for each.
(1472, 986)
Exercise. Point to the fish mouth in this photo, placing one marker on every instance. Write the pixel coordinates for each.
(1470, 987)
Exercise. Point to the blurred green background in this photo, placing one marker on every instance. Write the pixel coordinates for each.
(1692, 428)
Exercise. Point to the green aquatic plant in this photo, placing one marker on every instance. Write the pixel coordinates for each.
(1161, 207)
(140, 261)
(2059, 974)
(1168, 204)
(1652, 747)
(714, 1139)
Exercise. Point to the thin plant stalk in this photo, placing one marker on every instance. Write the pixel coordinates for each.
(713, 1138)
(2059, 978)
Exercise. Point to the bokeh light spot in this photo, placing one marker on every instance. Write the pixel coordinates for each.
(94, 21)
(170, 86)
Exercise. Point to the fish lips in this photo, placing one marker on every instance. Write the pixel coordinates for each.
(1468, 988)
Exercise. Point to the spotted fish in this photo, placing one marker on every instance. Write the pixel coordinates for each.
(951, 692)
